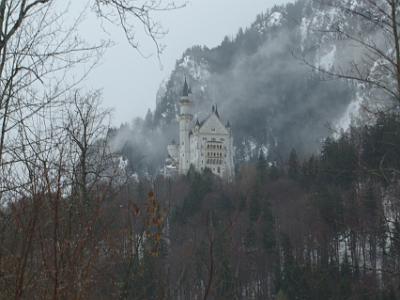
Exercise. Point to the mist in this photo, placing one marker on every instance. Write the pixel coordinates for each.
(273, 100)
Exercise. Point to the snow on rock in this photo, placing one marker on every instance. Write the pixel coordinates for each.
(265, 150)
(351, 112)
(305, 23)
(327, 60)
(251, 149)
(275, 19)
(253, 145)
(197, 70)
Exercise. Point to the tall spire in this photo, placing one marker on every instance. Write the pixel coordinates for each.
(185, 92)
(216, 110)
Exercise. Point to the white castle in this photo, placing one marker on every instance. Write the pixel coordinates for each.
(206, 144)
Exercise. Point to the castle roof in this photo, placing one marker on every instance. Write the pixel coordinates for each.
(213, 121)
(186, 90)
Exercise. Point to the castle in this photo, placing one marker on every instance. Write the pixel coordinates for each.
(206, 144)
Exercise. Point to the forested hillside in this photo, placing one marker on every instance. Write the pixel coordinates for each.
(327, 227)
(322, 228)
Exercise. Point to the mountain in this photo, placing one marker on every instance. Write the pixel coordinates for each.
(263, 84)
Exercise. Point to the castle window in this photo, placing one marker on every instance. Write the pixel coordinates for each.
(213, 130)
(219, 170)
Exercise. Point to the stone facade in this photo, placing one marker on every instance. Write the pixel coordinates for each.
(202, 145)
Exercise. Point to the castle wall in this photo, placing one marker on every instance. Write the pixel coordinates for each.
(212, 150)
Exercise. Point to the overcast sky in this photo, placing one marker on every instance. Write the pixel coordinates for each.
(130, 82)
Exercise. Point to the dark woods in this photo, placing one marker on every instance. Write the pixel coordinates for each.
(322, 227)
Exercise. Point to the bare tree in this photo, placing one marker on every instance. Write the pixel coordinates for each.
(55, 234)
(129, 14)
(38, 53)
(87, 125)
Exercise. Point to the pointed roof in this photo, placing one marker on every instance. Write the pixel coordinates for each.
(213, 122)
(185, 92)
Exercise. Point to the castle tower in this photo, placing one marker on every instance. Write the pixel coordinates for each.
(185, 119)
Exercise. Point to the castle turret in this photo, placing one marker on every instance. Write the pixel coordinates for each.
(216, 111)
(185, 119)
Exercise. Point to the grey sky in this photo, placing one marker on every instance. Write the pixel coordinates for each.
(130, 82)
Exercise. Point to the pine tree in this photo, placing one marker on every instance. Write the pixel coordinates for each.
(269, 240)
(293, 170)
(273, 173)
(148, 121)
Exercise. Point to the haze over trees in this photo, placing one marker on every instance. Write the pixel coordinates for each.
(309, 215)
